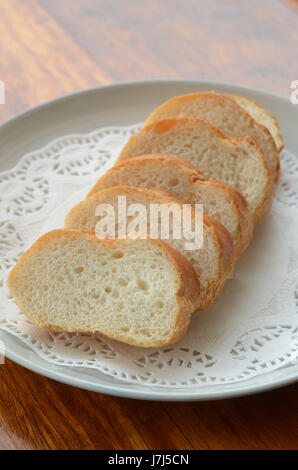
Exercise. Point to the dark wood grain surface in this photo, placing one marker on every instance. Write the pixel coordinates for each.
(50, 47)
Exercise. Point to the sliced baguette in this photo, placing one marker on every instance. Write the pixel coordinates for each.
(140, 292)
(262, 116)
(236, 161)
(186, 182)
(226, 114)
(213, 261)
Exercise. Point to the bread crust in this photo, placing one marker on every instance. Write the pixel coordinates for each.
(186, 294)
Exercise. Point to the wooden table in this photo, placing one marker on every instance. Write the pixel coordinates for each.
(52, 47)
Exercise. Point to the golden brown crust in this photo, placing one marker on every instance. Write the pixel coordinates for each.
(186, 294)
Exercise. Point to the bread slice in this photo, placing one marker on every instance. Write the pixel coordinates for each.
(187, 183)
(140, 292)
(263, 117)
(213, 261)
(223, 112)
(236, 161)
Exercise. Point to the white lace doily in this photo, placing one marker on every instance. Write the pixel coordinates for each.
(251, 329)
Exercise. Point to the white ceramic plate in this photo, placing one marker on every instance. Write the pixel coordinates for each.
(116, 105)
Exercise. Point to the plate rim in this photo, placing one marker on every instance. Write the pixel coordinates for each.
(150, 392)
(146, 394)
(66, 96)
